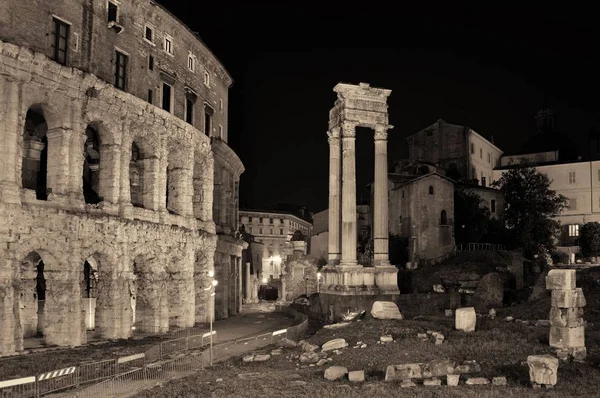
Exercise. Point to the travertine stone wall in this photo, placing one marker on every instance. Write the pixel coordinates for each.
(152, 260)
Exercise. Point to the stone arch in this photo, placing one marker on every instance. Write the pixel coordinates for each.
(32, 291)
(148, 295)
(179, 184)
(143, 168)
(34, 163)
(98, 293)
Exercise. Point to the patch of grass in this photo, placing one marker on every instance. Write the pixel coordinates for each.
(499, 347)
(36, 363)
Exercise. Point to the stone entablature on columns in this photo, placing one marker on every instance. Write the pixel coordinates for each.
(356, 106)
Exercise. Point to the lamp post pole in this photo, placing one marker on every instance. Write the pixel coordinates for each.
(211, 306)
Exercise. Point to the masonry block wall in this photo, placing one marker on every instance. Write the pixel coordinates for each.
(103, 194)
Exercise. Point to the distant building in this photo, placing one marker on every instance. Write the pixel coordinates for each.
(274, 230)
(421, 208)
(579, 181)
(458, 150)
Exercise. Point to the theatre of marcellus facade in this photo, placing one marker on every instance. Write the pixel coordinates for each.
(118, 190)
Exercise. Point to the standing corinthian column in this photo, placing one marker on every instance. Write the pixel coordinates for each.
(380, 198)
(349, 231)
(334, 252)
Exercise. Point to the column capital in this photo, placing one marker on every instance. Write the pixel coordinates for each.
(381, 131)
(333, 137)
(348, 129)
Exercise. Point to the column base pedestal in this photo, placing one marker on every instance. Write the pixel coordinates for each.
(356, 288)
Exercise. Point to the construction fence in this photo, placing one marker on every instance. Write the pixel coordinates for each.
(126, 376)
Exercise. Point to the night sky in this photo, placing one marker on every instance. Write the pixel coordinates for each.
(489, 69)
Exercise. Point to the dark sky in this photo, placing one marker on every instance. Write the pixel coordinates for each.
(484, 67)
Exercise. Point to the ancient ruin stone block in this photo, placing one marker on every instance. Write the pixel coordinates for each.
(452, 380)
(385, 310)
(403, 372)
(334, 344)
(572, 298)
(566, 317)
(499, 381)
(432, 382)
(477, 381)
(335, 372)
(567, 337)
(438, 367)
(578, 353)
(465, 319)
(564, 279)
(356, 376)
(543, 369)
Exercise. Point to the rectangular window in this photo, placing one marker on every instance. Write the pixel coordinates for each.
(472, 148)
(270, 221)
(220, 105)
(221, 132)
(571, 177)
(281, 220)
(150, 96)
(271, 231)
(260, 220)
(208, 114)
(249, 219)
(250, 229)
(112, 12)
(168, 44)
(150, 62)
(481, 153)
(149, 34)
(598, 175)
(190, 103)
(483, 180)
(60, 41)
(121, 70)
(260, 231)
(489, 157)
(191, 62)
(574, 230)
(167, 93)
(206, 78)
(493, 206)
(280, 231)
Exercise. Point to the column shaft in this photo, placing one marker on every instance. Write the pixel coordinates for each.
(334, 247)
(380, 199)
(349, 231)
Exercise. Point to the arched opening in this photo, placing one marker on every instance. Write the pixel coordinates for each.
(170, 190)
(431, 189)
(35, 153)
(91, 166)
(32, 296)
(443, 218)
(136, 175)
(89, 290)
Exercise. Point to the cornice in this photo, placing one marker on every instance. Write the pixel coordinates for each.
(225, 155)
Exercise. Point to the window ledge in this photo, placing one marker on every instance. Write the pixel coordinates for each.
(150, 42)
(116, 26)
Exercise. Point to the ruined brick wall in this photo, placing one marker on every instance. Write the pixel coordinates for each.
(442, 144)
(300, 277)
(158, 252)
(93, 45)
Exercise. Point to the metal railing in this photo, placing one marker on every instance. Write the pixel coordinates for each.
(479, 247)
(86, 373)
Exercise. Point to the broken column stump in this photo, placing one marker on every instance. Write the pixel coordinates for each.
(566, 315)
(543, 370)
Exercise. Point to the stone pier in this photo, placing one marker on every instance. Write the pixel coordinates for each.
(348, 285)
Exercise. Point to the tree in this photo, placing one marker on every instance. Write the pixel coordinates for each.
(530, 206)
(471, 218)
(589, 239)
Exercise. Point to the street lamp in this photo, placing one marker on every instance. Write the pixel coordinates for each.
(318, 280)
(213, 285)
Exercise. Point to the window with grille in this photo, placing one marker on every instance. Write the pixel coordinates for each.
(574, 230)
(60, 41)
